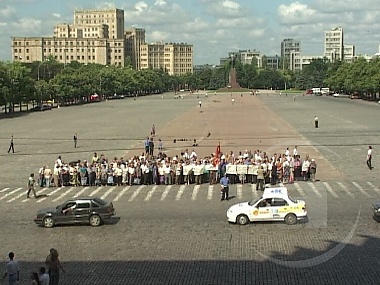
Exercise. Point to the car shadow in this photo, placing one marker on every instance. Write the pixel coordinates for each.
(112, 221)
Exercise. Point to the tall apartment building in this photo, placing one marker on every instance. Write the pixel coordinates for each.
(334, 47)
(98, 36)
(134, 38)
(174, 58)
(290, 54)
(349, 53)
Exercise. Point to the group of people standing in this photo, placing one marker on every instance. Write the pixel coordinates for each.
(51, 277)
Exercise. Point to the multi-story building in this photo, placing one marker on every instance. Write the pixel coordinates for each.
(334, 48)
(349, 53)
(98, 36)
(290, 54)
(134, 38)
(272, 62)
(174, 58)
(248, 56)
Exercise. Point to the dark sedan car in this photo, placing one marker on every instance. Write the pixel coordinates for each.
(376, 211)
(44, 107)
(85, 210)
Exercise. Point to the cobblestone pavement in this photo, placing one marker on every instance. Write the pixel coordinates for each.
(179, 234)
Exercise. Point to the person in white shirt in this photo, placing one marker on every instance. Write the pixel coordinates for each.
(193, 155)
(287, 152)
(295, 152)
(12, 270)
(369, 157)
(43, 276)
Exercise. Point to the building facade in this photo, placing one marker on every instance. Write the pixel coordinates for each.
(174, 58)
(349, 53)
(334, 44)
(98, 36)
(290, 54)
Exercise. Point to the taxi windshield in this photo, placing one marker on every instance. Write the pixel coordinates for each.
(293, 200)
(252, 202)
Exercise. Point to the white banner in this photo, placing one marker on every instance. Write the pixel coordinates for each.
(187, 169)
(241, 169)
(198, 169)
(231, 169)
(252, 169)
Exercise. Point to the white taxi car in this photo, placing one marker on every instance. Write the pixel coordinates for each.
(274, 205)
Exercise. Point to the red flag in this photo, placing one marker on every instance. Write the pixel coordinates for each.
(217, 155)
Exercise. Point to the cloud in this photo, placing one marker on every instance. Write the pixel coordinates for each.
(57, 15)
(296, 13)
(141, 6)
(29, 25)
(7, 12)
(160, 3)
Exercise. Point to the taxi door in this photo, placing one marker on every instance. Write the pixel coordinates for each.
(262, 211)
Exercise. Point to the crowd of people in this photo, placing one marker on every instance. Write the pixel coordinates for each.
(184, 168)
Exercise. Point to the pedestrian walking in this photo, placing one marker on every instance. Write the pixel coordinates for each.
(369, 158)
(160, 145)
(12, 270)
(31, 183)
(316, 124)
(233, 100)
(75, 140)
(224, 184)
(11, 146)
(200, 104)
(54, 265)
(313, 169)
(153, 131)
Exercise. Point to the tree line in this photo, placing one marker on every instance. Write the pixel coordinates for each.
(37, 82)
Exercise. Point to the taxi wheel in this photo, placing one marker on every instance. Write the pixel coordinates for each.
(291, 219)
(242, 220)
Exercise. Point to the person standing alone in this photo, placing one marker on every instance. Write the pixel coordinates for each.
(11, 146)
(369, 158)
(224, 182)
(75, 140)
(12, 270)
(316, 124)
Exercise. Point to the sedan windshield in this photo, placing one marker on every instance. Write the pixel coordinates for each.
(252, 202)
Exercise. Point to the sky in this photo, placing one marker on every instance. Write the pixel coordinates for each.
(214, 27)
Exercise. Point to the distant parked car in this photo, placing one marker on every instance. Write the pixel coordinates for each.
(43, 107)
(85, 210)
(376, 211)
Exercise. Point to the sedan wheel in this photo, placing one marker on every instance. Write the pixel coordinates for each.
(95, 220)
(291, 219)
(242, 220)
(48, 222)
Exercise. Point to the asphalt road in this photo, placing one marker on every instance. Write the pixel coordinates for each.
(179, 235)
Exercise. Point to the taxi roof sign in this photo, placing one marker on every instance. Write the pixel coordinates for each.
(275, 192)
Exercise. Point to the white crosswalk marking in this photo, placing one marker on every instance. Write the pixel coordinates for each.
(255, 193)
(210, 192)
(10, 193)
(360, 188)
(239, 191)
(22, 194)
(345, 188)
(93, 193)
(150, 193)
(134, 195)
(180, 192)
(166, 192)
(122, 192)
(64, 194)
(3, 190)
(38, 193)
(376, 189)
(107, 193)
(315, 190)
(81, 192)
(51, 193)
(299, 189)
(329, 189)
(195, 192)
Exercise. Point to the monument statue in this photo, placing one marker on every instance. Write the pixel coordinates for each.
(232, 79)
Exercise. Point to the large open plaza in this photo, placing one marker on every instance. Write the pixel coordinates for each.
(179, 234)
